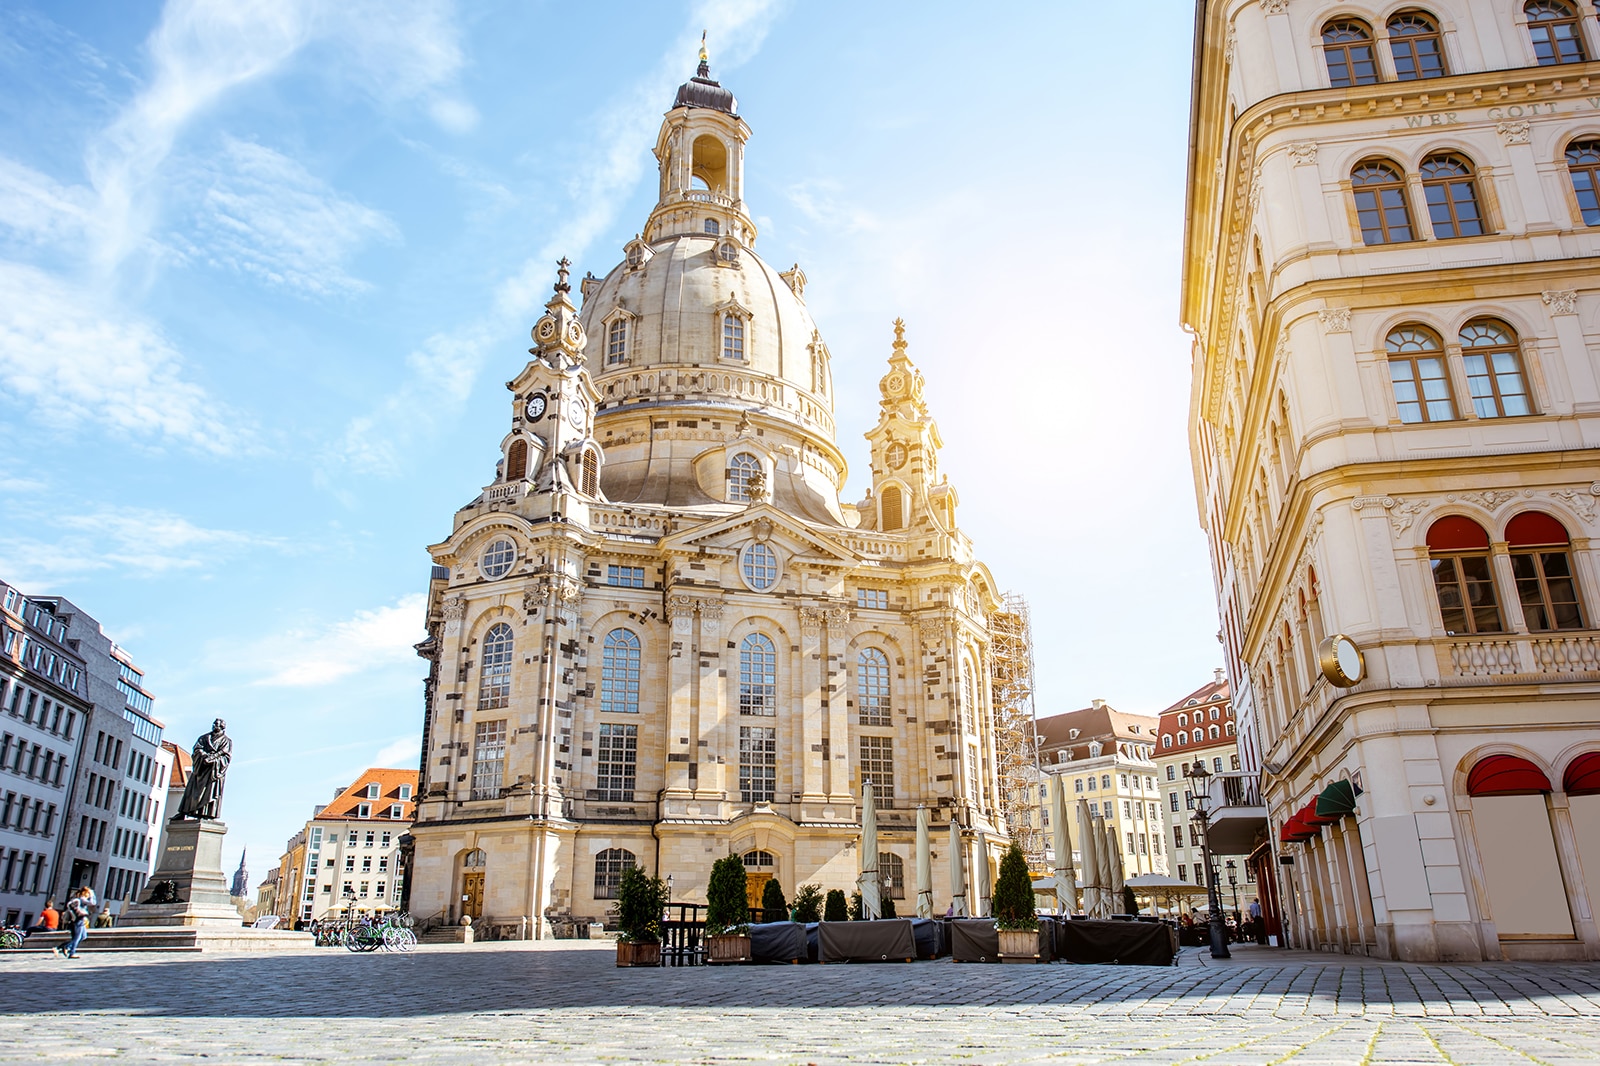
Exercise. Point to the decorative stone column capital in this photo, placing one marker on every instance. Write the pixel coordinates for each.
(1512, 132)
(1561, 301)
(1303, 153)
(1334, 319)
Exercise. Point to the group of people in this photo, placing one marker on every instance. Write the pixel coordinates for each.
(76, 915)
(1240, 928)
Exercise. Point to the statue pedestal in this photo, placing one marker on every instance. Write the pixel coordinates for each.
(192, 863)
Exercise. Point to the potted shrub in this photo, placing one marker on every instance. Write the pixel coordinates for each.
(808, 903)
(774, 908)
(640, 901)
(727, 912)
(854, 912)
(836, 910)
(888, 906)
(1014, 916)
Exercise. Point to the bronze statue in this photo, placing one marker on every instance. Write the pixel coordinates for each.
(202, 793)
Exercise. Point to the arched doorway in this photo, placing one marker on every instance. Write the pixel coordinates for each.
(759, 868)
(1521, 872)
(473, 865)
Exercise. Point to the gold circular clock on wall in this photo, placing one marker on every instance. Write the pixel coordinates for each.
(1341, 661)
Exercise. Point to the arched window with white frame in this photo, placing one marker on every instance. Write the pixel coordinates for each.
(872, 687)
(619, 673)
(758, 675)
(741, 468)
(494, 676)
(732, 336)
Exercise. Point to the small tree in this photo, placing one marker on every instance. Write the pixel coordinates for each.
(640, 901)
(835, 910)
(727, 904)
(855, 907)
(774, 908)
(808, 903)
(888, 906)
(1013, 893)
(1130, 902)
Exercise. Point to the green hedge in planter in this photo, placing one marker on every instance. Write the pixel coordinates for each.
(836, 909)
(808, 903)
(727, 902)
(640, 901)
(774, 908)
(888, 905)
(1013, 893)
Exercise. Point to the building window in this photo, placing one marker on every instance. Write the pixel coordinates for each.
(873, 599)
(397, 810)
(712, 227)
(1541, 563)
(1458, 551)
(372, 791)
(1553, 29)
(1077, 784)
(494, 682)
(1214, 733)
(405, 792)
(591, 472)
(1183, 870)
(497, 558)
(1381, 210)
(872, 687)
(1451, 195)
(619, 673)
(732, 336)
(1583, 164)
(1494, 370)
(877, 767)
(892, 875)
(1166, 740)
(1188, 801)
(627, 577)
(1416, 46)
(1228, 729)
(1347, 46)
(363, 810)
(1172, 799)
(759, 565)
(1417, 375)
(616, 341)
(618, 757)
(517, 460)
(741, 468)
(758, 763)
(1177, 836)
(489, 759)
(609, 867)
(1172, 772)
(892, 502)
(758, 675)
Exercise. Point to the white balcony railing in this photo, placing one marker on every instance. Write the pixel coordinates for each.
(1542, 656)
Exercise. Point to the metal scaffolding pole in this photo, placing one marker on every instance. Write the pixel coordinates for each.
(1016, 741)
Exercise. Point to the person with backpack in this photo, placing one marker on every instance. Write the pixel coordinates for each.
(77, 913)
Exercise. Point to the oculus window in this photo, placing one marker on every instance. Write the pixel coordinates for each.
(758, 564)
(497, 558)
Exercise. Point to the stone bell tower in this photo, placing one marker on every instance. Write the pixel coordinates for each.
(907, 492)
(701, 153)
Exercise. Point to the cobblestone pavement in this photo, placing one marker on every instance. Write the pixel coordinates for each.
(567, 1003)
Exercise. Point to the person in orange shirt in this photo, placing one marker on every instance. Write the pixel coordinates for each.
(49, 919)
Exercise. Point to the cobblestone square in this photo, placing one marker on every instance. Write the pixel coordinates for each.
(565, 1002)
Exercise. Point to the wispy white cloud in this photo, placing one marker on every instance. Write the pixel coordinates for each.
(443, 370)
(323, 653)
(402, 753)
(138, 541)
(38, 210)
(264, 214)
(823, 202)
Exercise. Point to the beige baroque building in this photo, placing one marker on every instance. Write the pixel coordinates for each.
(1200, 727)
(1391, 278)
(658, 635)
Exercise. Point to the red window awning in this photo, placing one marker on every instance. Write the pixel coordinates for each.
(1506, 775)
(1583, 775)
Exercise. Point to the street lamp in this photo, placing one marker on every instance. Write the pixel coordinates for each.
(1219, 933)
(1233, 883)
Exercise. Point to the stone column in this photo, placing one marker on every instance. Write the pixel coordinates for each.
(680, 697)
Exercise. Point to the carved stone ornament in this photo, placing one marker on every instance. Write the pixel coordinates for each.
(1581, 500)
(930, 628)
(711, 610)
(1402, 512)
(454, 608)
(680, 607)
(1512, 132)
(811, 620)
(1275, 7)
(533, 599)
(1334, 319)
(1303, 153)
(570, 593)
(1488, 500)
(1561, 301)
(1232, 49)
(837, 617)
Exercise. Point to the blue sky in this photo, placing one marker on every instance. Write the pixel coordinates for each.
(265, 265)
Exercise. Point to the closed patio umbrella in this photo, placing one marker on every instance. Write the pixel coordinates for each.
(1066, 877)
(1091, 860)
(867, 879)
(1106, 838)
(1114, 880)
(924, 866)
(958, 873)
(985, 880)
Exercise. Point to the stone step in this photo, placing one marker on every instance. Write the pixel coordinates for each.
(174, 939)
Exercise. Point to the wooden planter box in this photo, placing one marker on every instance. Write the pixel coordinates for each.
(638, 954)
(727, 947)
(1019, 945)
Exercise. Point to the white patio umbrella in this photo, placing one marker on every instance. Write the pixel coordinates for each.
(1106, 837)
(1066, 877)
(958, 873)
(1113, 878)
(924, 866)
(985, 878)
(1091, 859)
(867, 879)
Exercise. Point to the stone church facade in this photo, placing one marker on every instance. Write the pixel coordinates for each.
(659, 635)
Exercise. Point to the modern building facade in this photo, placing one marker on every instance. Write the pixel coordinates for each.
(659, 634)
(347, 859)
(1390, 275)
(1108, 758)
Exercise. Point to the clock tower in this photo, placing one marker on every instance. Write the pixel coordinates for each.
(907, 492)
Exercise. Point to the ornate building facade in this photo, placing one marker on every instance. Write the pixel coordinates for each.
(1390, 274)
(659, 635)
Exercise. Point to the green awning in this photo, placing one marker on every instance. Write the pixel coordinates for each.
(1337, 800)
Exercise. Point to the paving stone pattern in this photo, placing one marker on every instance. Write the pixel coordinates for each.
(567, 1003)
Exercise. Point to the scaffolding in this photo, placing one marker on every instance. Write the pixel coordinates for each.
(1016, 740)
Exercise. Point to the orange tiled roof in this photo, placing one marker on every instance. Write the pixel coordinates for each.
(1204, 698)
(346, 806)
(181, 765)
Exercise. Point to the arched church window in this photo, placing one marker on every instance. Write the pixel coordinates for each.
(741, 468)
(872, 687)
(1415, 44)
(619, 673)
(591, 473)
(698, 182)
(617, 341)
(1452, 196)
(1347, 46)
(1381, 203)
(758, 675)
(1583, 166)
(517, 460)
(732, 336)
(969, 702)
(712, 227)
(609, 867)
(494, 677)
(1553, 29)
(893, 504)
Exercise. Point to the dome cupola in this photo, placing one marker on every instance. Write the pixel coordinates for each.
(702, 91)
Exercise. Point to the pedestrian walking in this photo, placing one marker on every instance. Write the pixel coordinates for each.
(78, 910)
(1256, 923)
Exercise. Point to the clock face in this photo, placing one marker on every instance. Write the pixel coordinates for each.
(1349, 657)
(896, 382)
(536, 406)
(576, 413)
(547, 329)
(895, 455)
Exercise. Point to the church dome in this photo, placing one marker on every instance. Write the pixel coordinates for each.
(703, 91)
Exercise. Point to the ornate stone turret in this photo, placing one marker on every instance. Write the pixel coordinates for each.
(905, 453)
(701, 152)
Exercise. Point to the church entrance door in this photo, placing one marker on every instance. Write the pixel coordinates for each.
(472, 894)
(754, 885)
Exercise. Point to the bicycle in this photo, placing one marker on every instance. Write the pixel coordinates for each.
(11, 938)
(362, 938)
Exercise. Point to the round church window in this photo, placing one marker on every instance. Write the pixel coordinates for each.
(759, 565)
(497, 558)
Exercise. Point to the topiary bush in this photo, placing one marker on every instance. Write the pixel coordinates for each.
(1130, 902)
(727, 905)
(855, 907)
(1013, 893)
(836, 910)
(774, 908)
(888, 907)
(640, 901)
(808, 903)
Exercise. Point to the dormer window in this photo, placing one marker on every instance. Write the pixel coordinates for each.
(713, 227)
(405, 792)
(741, 468)
(732, 336)
(372, 791)
(729, 253)
(617, 342)
(1094, 749)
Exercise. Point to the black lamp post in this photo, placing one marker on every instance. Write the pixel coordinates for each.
(1219, 932)
(1233, 883)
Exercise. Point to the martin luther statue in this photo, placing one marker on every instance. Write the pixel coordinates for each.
(202, 793)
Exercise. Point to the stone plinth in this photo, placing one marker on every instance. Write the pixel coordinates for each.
(192, 862)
